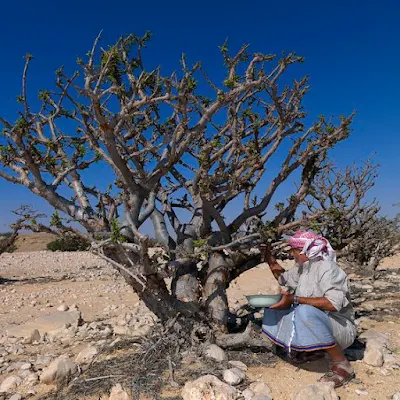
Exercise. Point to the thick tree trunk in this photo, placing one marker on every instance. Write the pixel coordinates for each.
(153, 291)
(185, 283)
(214, 291)
(196, 322)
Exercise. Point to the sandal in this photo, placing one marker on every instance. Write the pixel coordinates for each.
(338, 376)
(301, 357)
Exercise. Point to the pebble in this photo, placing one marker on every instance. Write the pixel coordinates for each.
(25, 366)
(260, 389)
(215, 353)
(87, 355)
(234, 376)
(238, 364)
(63, 307)
(361, 392)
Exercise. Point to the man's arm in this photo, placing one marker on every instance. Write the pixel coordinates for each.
(318, 302)
(275, 267)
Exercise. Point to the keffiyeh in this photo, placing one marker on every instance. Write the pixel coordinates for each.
(312, 245)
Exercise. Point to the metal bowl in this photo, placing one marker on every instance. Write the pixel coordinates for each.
(263, 300)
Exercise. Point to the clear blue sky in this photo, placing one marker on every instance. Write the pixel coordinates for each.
(351, 51)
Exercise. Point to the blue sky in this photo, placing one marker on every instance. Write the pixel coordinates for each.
(351, 53)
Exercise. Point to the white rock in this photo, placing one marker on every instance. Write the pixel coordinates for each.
(87, 355)
(33, 337)
(317, 391)
(234, 376)
(16, 396)
(238, 364)
(117, 393)
(373, 354)
(122, 330)
(248, 394)
(10, 383)
(377, 345)
(208, 387)
(361, 392)
(63, 307)
(25, 366)
(396, 396)
(59, 370)
(215, 353)
(260, 389)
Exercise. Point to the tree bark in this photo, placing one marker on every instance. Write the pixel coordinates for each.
(214, 291)
(185, 284)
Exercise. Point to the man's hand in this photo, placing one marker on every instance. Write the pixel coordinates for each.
(267, 257)
(285, 302)
(266, 253)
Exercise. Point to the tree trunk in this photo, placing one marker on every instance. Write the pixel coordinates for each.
(214, 291)
(196, 322)
(185, 283)
(191, 316)
(153, 291)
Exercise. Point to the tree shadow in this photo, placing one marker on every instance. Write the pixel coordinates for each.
(28, 281)
(7, 281)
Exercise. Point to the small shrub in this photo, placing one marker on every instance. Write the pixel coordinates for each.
(7, 242)
(68, 243)
(5, 234)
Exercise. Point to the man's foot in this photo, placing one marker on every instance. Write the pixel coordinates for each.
(340, 374)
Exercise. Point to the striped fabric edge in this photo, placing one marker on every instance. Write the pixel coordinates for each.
(321, 346)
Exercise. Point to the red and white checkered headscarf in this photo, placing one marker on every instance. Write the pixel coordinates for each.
(312, 245)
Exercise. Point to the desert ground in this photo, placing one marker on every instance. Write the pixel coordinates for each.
(75, 305)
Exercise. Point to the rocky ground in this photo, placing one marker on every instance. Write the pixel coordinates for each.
(69, 316)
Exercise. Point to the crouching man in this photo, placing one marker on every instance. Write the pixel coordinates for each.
(315, 316)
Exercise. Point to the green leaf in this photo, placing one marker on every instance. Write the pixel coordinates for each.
(116, 236)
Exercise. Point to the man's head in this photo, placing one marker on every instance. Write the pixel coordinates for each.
(307, 245)
(298, 255)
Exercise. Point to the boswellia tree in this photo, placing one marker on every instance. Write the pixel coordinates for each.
(173, 158)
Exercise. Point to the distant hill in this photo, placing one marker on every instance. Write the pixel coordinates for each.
(27, 242)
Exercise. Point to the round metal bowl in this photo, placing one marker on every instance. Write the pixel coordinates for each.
(263, 300)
